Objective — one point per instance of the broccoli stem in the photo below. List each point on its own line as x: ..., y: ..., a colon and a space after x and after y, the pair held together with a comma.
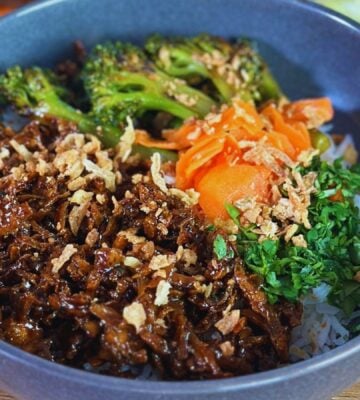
x: 226, y: 91
x: 148, y: 101
x: 235, y: 70
x: 269, y: 88
x: 35, y: 92
x: 193, y: 99
x: 153, y: 93
x: 52, y: 106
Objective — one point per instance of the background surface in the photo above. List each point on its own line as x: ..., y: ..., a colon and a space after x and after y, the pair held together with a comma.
x: 351, y: 8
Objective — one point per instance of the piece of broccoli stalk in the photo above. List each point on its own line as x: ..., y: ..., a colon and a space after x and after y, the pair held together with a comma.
x: 36, y: 92
x: 235, y: 70
x: 120, y: 81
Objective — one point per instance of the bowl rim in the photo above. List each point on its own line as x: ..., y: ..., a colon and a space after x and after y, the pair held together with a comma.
x: 245, y: 382
x: 267, y: 378
x: 310, y: 5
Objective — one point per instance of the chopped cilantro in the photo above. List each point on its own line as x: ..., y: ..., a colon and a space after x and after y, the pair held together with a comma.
x: 210, y: 228
x: 220, y: 247
x: 233, y: 212
x: 332, y: 255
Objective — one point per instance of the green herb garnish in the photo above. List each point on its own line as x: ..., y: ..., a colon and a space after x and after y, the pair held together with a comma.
x: 332, y: 255
x: 220, y: 247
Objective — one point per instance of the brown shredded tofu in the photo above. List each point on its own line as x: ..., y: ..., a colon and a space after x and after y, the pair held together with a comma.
x: 133, y: 277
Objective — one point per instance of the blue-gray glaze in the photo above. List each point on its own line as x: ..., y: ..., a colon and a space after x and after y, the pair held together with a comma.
x: 312, y: 52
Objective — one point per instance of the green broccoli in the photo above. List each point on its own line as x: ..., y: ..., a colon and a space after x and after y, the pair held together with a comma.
x: 36, y: 92
x: 120, y: 81
x: 235, y: 70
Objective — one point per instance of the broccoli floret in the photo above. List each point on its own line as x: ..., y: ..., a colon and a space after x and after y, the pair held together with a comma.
x: 235, y: 70
x: 36, y: 92
x: 120, y: 81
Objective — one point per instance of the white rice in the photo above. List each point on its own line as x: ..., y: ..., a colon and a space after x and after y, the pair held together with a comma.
x: 322, y: 327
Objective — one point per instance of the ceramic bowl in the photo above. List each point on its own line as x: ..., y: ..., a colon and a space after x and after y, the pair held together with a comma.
x: 312, y: 52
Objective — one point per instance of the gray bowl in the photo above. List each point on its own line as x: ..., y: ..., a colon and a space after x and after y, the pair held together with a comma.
x: 312, y: 52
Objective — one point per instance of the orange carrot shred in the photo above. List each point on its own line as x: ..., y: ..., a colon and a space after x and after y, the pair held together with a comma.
x: 144, y: 139
x: 312, y: 112
x: 224, y: 184
x: 211, y: 158
x: 298, y: 137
